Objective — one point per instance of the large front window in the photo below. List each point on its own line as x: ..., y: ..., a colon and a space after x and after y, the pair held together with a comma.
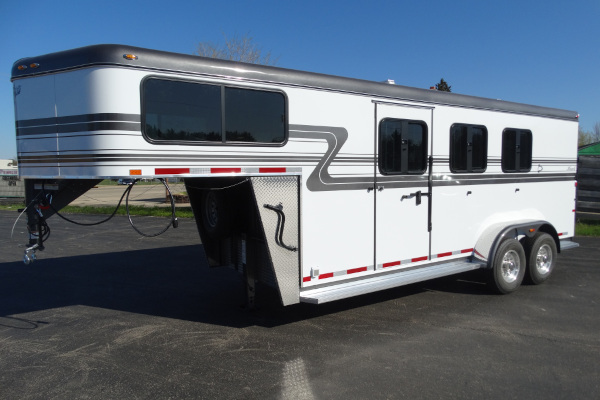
x: 181, y: 111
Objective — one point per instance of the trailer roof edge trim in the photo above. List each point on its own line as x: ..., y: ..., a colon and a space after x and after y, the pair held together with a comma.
x: 115, y: 55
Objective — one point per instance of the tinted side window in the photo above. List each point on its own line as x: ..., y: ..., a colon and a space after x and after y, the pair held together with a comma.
x: 468, y: 148
x: 254, y: 116
x: 402, y: 146
x: 517, y: 147
x: 193, y: 112
x: 182, y: 111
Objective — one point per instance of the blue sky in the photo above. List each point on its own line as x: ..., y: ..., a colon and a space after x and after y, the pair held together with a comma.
x: 537, y: 52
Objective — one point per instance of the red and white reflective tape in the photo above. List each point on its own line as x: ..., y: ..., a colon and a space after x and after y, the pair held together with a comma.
x: 224, y: 170
x: 385, y: 265
x: 424, y: 258
x: 338, y: 273
x: 401, y: 262
x: 452, y: 253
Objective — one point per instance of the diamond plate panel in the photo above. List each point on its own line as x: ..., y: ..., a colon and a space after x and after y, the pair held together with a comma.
x: 281, y: 192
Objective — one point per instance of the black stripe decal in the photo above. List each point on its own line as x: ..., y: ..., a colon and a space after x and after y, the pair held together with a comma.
x: 508, y: 178
x: 81, y: 127
x: 79, y: 123
x: 91, y: 158
x: 71, y: 119
x: 319, y: 180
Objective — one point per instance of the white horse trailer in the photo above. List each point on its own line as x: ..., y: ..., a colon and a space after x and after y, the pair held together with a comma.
x: 321, y: 186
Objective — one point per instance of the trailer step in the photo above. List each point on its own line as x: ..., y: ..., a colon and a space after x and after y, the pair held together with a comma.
x: 567, y: 244
x: 387, y: 281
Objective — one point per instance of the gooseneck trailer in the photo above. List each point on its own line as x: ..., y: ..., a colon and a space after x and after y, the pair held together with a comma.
x: 321, y: 186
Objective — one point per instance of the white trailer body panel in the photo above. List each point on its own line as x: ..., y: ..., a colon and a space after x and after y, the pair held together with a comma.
x: 359, y: 209
x: 402, y: 233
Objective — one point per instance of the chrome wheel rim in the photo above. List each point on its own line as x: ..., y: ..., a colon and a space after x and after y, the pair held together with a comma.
x: 543, y: 259
x: 511, y: 264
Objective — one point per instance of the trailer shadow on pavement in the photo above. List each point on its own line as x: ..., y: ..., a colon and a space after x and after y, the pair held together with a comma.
x: 171, y: 282
x: 165, y: 282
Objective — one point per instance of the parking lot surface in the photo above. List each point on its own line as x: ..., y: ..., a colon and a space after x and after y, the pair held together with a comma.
x: 107, y: 314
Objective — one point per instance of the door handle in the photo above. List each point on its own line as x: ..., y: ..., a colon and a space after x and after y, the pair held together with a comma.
x: 417, y: 195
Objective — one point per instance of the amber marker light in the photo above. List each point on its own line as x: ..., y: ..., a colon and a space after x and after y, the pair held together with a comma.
x: 22, y: 67
x: 134, y: 172
x: 34, y: 65
x: 130, y: 56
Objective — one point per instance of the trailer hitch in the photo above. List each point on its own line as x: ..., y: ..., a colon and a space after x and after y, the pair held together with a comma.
x: 29, y: 256
x: 36, y: 238
x: 280, y: 226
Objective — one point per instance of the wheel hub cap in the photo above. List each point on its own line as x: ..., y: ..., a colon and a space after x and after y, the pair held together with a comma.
x: 543, y: 260
x: 510, y: 266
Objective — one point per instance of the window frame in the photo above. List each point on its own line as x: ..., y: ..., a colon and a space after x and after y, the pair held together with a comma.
x: 516, y: 152
x: 469, y: 155
x: 223, y: 141
x: 425, y: 147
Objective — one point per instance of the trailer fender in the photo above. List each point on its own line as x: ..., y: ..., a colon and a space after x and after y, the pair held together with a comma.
x: 494, y: 235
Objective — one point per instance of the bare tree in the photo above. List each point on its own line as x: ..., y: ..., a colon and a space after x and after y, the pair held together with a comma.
x: 596, y: 132
x: 586, y: 137
x: 237, y: 48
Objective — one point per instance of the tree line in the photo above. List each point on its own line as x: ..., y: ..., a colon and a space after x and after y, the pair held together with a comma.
x: 589, y: 137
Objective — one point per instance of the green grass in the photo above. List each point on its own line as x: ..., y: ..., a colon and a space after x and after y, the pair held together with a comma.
x: 180, y: 212
x: 113, y: 182
x: 587, y: 228
x: 11, y: 206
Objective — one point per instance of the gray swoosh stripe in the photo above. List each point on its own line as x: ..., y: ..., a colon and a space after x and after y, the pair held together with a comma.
x: 320, y: 179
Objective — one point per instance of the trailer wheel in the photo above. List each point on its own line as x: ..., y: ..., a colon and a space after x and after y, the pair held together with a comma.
x: 215, y: 218
x: 508, y: 269
x: 541, y: 258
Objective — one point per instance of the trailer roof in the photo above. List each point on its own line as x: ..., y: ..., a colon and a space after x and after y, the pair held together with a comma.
x: 113, y: 55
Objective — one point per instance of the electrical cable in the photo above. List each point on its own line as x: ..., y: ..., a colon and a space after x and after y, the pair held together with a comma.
x: 23, y: 212
x: 126, y: 192
x: 45, y: 233
x: 173, y: 221
x: 125, y: 195
x: 219, y: 188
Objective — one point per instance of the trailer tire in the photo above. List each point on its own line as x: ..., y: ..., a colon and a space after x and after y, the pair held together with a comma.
x: 215, y: 217
x: 541, y: 258
x: 508, y: 268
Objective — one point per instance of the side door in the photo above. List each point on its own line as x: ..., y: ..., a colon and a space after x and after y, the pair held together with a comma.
x: 402, y: 183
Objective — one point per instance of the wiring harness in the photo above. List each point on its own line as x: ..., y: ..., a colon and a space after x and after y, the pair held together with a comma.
x: 43, y: 201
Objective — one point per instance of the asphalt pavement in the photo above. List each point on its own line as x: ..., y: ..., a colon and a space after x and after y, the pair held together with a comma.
x: 107, y: 314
